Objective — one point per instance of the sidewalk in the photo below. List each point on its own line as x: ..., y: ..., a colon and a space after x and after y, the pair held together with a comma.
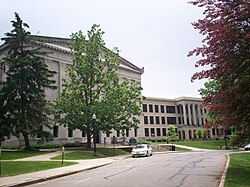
x: 31, y: 178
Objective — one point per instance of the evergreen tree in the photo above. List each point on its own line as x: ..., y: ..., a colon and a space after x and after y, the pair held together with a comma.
x: 22, y: 97
x: 93, y: 88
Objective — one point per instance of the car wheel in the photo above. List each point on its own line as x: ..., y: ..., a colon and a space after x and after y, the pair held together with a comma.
x: 133, y: 156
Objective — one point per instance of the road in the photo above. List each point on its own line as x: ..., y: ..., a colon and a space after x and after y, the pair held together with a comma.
x: 190, y: 169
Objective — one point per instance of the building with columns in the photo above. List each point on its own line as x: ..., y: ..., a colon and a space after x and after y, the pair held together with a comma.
x: 157, y: 114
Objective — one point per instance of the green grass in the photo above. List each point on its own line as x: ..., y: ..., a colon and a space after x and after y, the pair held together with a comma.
x: 20, y: 167
x: 239, y: 170
x: 179, y: 149
x: 12, y: 155
x: 211, y: 144
x: 101, y: 153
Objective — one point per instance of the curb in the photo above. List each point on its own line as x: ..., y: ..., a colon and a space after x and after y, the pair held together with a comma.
x: 223, y: 177
x: 58, y: 176
x: 54, y: 177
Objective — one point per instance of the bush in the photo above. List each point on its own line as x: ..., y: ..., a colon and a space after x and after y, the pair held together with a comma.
x: 45, y: 146
x: 76, y: 144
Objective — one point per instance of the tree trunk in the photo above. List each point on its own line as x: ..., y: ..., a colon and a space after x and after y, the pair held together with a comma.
x: 26, y: 140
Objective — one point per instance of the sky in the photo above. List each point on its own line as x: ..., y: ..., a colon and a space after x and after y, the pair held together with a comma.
x: 154, y: 34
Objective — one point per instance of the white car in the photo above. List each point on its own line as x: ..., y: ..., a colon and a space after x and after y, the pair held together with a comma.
x: 142, y: 150
x: 247, y: 147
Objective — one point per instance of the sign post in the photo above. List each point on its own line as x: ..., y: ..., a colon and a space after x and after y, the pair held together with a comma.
x: 62, y: 154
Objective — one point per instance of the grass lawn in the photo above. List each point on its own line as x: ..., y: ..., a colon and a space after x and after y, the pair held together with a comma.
x: 239, y: 170
x: 210, y: 144
x: 181, y: 149
x: 20, y: 167
x: 12, y: 155
x: 101, y: 153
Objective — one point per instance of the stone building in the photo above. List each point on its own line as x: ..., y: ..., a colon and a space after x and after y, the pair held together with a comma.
x: 185, y: 113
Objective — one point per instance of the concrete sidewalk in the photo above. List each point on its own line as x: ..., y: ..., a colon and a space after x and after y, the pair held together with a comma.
x: 31, y: 178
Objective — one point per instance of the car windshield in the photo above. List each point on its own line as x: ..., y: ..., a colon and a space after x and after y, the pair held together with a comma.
x: 139, y: 146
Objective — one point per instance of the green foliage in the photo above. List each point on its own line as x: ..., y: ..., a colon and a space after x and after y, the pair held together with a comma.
x: 211, y: 144
x: 45, y: 146
x: 172, y: 134
x: 22, y: 97
x: 93, y: 87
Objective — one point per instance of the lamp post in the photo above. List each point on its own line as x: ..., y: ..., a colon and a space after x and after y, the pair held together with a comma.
x: 94, y: 133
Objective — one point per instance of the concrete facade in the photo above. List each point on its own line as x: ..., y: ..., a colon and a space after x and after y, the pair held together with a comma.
x: 188, y: 115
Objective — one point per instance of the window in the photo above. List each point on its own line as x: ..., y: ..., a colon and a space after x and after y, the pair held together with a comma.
x: 156, y: 108
x: 170, y: 109
x: 118, y: 133
x: 83, y: 133
x: 152, y: 132
x: 146, y: 132
x: 150, y: 108
x: 163, y: 120
x: 108, y: 134
x: 164, y: 132
x: 127, y: 132
x: 179, y: 120
x: 158, y: 132
x: 144, y: 108
x: 38, y: 135
x: 162, y: 109
x: 157, y: 120
x: 55, y: 131
x: 136, y: 132
x: 70, y: 133
x: 145, y: 119
x: 151, y: 119
x: 171, y: 120
x: 178, y: 109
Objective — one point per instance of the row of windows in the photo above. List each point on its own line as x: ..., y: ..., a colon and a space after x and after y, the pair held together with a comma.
x: 156, y: 120
x: 70, y: 133
x: 168, y: 109
x: 158, y: 132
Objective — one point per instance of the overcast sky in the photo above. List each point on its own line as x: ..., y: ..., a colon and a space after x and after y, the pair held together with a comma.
x: 154, y: 34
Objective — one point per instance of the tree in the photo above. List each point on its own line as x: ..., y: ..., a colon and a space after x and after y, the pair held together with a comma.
x: 93, y: 87
x: 22, y: 97
x: 172, y: 135
x: 226, y: 52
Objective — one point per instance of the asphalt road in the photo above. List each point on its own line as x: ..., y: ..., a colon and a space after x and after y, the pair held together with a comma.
x: 191, y: 169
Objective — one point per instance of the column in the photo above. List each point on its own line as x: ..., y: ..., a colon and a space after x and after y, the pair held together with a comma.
x: 199, y: 115
x: 194, y: 115
x: 203, y: 115
x: 189, y: 115
x: 184, y: 114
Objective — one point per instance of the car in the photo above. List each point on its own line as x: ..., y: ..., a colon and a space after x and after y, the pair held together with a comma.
x: 142, y: 150
x: 247, y: 147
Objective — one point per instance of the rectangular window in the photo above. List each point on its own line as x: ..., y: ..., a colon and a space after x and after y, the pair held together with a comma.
x: 83, y: 133
x: 108, y: 134
x: 178, y: 109
x: 127, y: 132
x: 136, y: 132
x: 118, y: 133
x: 151, y: 119
x: 152, y: 131
x: 157, y: 120
x: 163, y: 120
x: 164, y: 132
x: 70, y: 133
x: 170, y: 109
x: 145, y: 119
x: 150, y: 108
x: 146, y: 132
x: 156, y: 109
x: 55, y: 131
x: 144, y: 108
x: 179, y: 120
x: 158, y: 131
x: 171, y: 120
x: 162, y: 109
